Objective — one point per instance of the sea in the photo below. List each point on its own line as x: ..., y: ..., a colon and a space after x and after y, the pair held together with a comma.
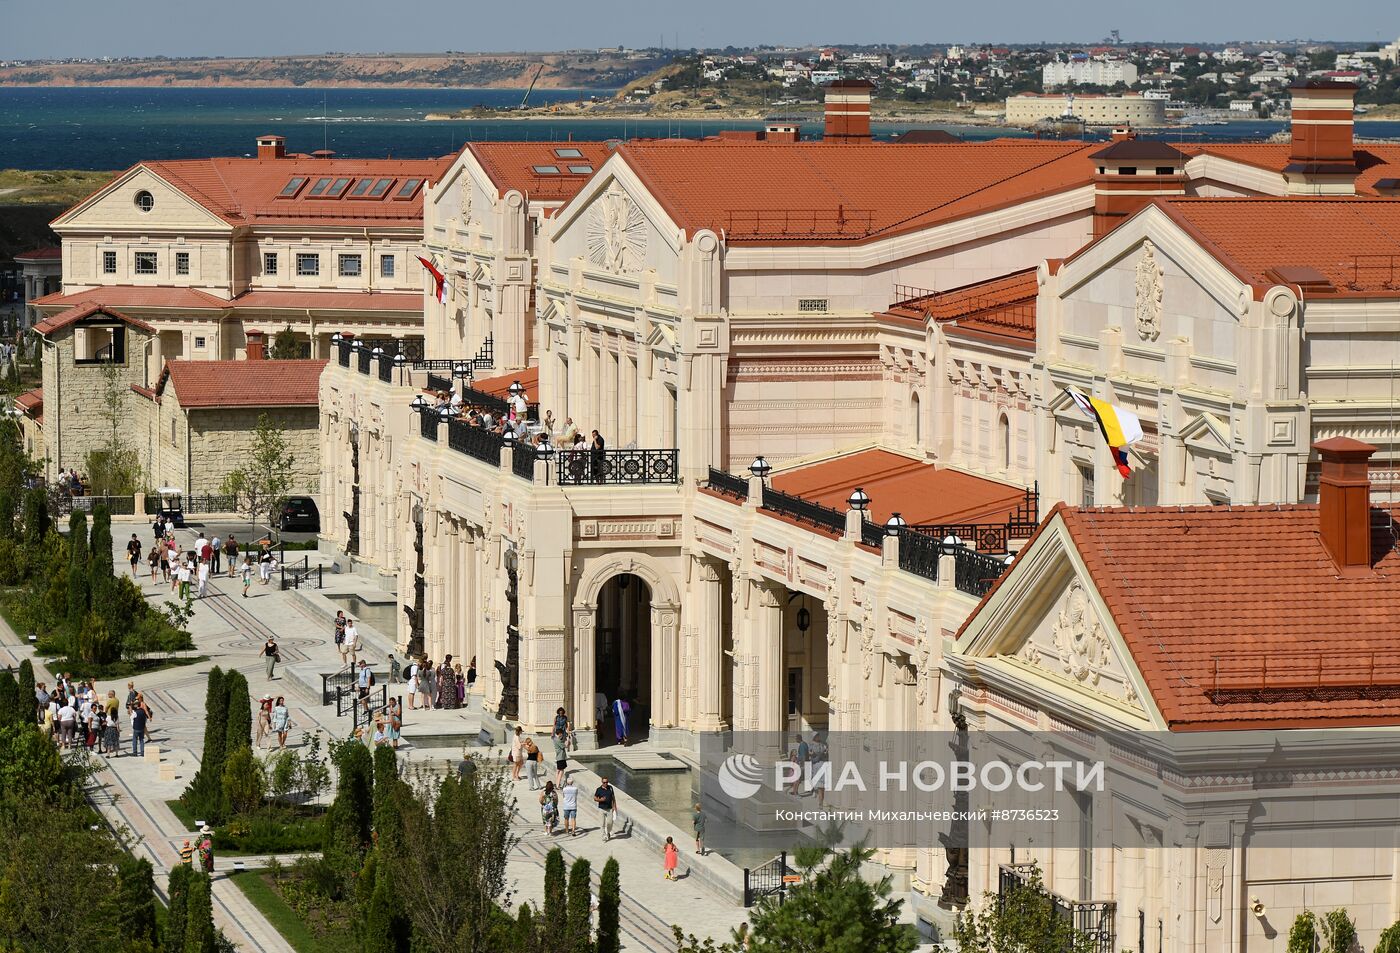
x: 113, y: 127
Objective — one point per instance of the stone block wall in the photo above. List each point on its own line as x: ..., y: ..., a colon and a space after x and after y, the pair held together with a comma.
x: 75, y: 423
x: 221, y: 440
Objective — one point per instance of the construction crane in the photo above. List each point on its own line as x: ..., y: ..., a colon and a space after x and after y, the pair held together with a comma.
x: 536, y: 79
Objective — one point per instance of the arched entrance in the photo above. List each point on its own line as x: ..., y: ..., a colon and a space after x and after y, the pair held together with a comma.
x: 622, y: 663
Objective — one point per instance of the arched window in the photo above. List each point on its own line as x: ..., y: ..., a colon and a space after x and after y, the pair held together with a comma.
x: 1004, y: 438
x: 916, y: 420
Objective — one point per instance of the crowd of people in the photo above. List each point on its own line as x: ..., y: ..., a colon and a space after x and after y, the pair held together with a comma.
x: 443, y: 686
x: 73, y: 483
x: 187, y: 572
x: 544, y: 434
x: 76, y: 716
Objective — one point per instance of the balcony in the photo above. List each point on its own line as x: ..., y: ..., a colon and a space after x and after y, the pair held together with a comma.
x: 616, y: 467
x: 480, y: 444
x: 1093, y: 918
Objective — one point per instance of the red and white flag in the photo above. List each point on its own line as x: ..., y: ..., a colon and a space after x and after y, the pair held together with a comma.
x: 439, y: 280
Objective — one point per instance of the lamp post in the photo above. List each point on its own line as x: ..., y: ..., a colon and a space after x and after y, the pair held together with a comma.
x: 859, y: 501
x: 951, y: 542
x: 419, y: 404
x: 461, y: 370
x: 336, y: 338
x: 760, y: 468
x: 516, y: 389
x: 895, y: 525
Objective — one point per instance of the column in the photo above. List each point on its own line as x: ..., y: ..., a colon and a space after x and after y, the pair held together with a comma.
x: 627, y: 413
x: 607, y: 419
x: 470, y: 602
x: 157, y: 360
x: 772, y: 666
x: 708, y: 642
x: 452, y: 591
x: 433, y: 632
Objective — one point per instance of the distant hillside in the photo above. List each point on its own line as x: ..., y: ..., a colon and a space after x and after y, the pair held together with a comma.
x: 584, y: 70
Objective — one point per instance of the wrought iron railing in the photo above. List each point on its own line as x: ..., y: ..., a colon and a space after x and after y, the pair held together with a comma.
x: 386, y: 367
x: 766, y: 880
x: 366, y: 355
x: 475, y: 442
x: 479, y: 398
x: 523, y: 457
x: 1092, y: 918
x: 581, y: 467
x: 728, y: 484
x: 485, y: 356
x: 343, y: 352
x: 210, y: 503
x: 919, y: 554
x: 804, y: 511
x: 436, y: 382
x: 974, y: 573
x: 990, y: 537
x: 872, y: 534
x: 116, y: 505
x: 428, y: 421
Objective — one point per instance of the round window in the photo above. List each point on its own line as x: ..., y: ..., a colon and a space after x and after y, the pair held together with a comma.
x: 145, y: 201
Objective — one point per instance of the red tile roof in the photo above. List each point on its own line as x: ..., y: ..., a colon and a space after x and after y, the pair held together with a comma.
x: 1254, y: 588
x: 510, y: 165
x: 131, y: 296
x: 825, y: 193
x: 330, y: 300
x: 269, y: 383
x: 1353, y: 242
x: 1003, y: 306
x: 1375, y: 160
x: 82, y: 312
x: 31, y: 404
x: 918, y: 491
x: 245, y: 191
x: 499, y: 386
x: 41, y: 254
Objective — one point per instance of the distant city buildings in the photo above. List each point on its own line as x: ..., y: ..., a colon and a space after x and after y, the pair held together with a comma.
x: 1083, y: 71
x: 1129, y: 109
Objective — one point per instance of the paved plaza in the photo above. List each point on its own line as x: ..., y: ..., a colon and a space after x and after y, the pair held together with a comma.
x: 231, y: 631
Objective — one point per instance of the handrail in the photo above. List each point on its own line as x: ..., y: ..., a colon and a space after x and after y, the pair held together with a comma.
x: 584, y: 467
x: 728, y: 484
x: 804, y: 511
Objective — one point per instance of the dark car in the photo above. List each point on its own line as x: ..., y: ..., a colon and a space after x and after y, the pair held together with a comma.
x: 299, y: 515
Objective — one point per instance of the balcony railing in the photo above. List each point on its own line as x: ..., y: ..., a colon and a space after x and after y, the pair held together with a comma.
x: 386, y: 367
x: 474, y: 442
x: 428, y: 421
x: 872, y: 534
x: 583, y: 467
x: 804, y: 511
x: 990, y: 537
x: 975, y: 573
x: 343, y: 352
x: 522, y: 461
x: 1092, y: 918
x: 479, y: 398
x: 919, y: 554
x: 439, y: 383
x: 366, y: 355
x: 728, y: 484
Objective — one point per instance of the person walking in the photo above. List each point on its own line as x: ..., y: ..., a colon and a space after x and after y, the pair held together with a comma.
x: 271, y: 656
x: 206, y: 849
x: 410, y: 675
x: 549, y: 808
x: 231, y: 554
x: 247, y: 575
x: 265, y: 558
x: 112, y: 733
x: 561, y: 754
x: 395, y: 723
x: 352, y: 642
x: 264, y: 721
x: 164, y: 551
x: 186, y: 575
x: 532, y: 762
x: 568, y: 804
x: 606, y: 799
x: 281, y: 721
x: 621, y: 711
x: 216, y: 554
x: 394, y: 671
x: 154, y: 560
x: 187, y: 852
x: 698, y: 821
x: 158, y: 527
x: 364, y: 681
x: 339, y: 624
x: 203, y: 573
x: 669, y: 856
x: 133, y: 553
x: 139, y: 718
x: 517, y: 753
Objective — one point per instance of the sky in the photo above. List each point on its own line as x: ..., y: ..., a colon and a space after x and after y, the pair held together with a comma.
x: 63, y: 28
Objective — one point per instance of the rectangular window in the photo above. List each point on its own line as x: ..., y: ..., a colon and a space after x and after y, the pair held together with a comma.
x: 581, y: 169
x: 145, y: 263
x: 182, y: 263
x: 269, y: 263
x: 361, y: 187
x: 308, y: 265
x: 386, y: 266
x: 1086, y: 485
x: 172, y: 429
x: 1127, y: 170
x: 337, y: 188
x: 381, y: 187
x: 320, y: 187
x: 199, y: 343
x: 409, y: 187
x: 811, y: 305
x: 568, y: 153
x: 349, y: 266
x: 545, y: 169
x: 292, y: 187
x: 109, y: 263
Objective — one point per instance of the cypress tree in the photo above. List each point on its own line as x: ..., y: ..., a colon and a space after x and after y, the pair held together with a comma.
x: 382, y: 934
x: 9, y: 700
x: 238, y: 713
x: 388, y: 825
x: 556, y: 913
x: 136, y: 902
x: 36, y: 516
x: 77, y: 569
x: 174, y: 938
x: 28, y: 703
x: 205, y: 791
x: 199, y: 916
x: 525, y: 929
x: 8, y: 512
x: 609, y: 900
x: 580, y: 931
x: 348, y: 821
x: 100, y: 569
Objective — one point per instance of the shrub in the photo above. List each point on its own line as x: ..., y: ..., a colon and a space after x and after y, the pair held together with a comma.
x: 1338, y: 931
x: 29, y: 764
x: 283, y: 770
x: 238, y: 711
x: 77, y: 607
x: 1302, y: 937
x: 1389, y: 941
x: 243, y: 781
x: 261, y: 834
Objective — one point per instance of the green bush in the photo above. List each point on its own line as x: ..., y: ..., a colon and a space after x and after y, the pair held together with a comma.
x: 1338, y: 931
x: 11, y: 562
x: 1389, y: 941
x: 244, y: 783
x: 1302, y: 937
x: 265, y: 834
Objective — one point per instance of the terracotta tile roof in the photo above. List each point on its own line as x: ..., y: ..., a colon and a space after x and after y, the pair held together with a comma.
x: 131, y: 296
x: 1254, y: 587
x: 499, y: 386
x: 41, y: 254
x: 511, y: 165
x: 918, y: 491
x: 1376, y: 161
x: 243, y: 383
x: 1002, y: 306
x: 1353, y: 242
x: 330, y: 300
x: 824, y: 193
x: 245, y: 191
x: 81, y: 312
x: 1129, y: 149
x: 31, y: 404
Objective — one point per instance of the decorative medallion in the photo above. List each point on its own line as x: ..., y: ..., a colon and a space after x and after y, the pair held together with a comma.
x: 466, y: 200
x: 1149, y: 294
x: 617, y: 232
x: 1079, y: 637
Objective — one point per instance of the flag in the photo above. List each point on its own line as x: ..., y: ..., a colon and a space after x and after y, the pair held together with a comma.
x: 439, y: 280
x: 1120, y: 427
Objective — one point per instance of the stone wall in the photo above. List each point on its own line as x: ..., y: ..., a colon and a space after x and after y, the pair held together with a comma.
x: 210, y: 443
x: 73, y: 413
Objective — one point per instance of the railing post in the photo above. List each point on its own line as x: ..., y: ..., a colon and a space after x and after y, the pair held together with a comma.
x: 889, y: 553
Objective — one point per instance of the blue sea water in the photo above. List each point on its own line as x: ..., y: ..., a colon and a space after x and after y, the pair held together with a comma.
x: 114, y: 127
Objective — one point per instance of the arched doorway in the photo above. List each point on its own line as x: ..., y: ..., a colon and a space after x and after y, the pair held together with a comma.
x: 622, y: 662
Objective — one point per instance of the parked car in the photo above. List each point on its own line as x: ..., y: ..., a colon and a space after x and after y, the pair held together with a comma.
x: 299, y: 515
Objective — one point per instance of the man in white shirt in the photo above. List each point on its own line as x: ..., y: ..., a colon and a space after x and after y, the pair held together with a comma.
x: 351, y: 645
x: 568, y: 805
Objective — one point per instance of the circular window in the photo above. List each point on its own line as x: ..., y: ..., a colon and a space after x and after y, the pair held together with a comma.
x: 145, y: 201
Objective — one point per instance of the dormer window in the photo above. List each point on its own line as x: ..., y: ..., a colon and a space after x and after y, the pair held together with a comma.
x: 407, y: 190
x: 292, y: 187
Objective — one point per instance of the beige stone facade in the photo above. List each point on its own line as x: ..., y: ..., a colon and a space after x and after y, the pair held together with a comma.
x: 1127, y: 110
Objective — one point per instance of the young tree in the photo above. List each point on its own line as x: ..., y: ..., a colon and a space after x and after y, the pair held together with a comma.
x: 1021, y: 919
x: 388, y: 828
x: 9, y: 701
x: 77, y: 569
x: 580, y: 929
x: 199, y: 916
x: 347, y: 833
x: 285, y: 346
x: 205, y: 791
x: 259, y: 486
x: 114, y: 468
x: 609, y: 903
x: 26, y: 688
x: 243, y: 782
x: 179, y: 892
x: 36, y: 516
x: 100, y: 565
x: 556, y: 912
x: 238, y: 712
x: 136, y: 900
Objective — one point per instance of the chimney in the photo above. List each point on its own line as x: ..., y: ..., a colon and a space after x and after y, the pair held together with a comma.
x: 256, y: 350
x: 848, y: 110
x: 1131, y: 173
x: 1344, y: 503
x: 272, y: 147
x: 781, y: 130
x: 1322, y: 160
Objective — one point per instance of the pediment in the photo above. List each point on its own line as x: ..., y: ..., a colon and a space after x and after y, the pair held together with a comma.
x: 114, y: 207
x: 1047, y: 630
x: 1208, y: 433
x: 662, y: 338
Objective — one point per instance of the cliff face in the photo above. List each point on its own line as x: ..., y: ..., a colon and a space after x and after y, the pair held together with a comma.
x: 557, y: 70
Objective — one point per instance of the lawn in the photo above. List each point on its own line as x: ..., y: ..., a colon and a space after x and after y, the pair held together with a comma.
x: 257, y: 887
x: 287, y: 833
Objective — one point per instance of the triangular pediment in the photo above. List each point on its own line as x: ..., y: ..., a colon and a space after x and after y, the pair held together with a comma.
x: 1207, y: 432
x: 662, y: 339
x: 1047, y: 636
x: 114, y: 207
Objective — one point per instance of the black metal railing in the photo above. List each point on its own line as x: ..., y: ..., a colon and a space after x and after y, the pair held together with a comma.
x: 990, y: 537
x: 1092, y: 918
x: 872, y: 534
x: 116, y: 505
x: 728, y: 484
x: 366, y: 355
x: 919, y: 554
x: 438, y: 383
x: 581, y: 467
x: 804, y: 511
x: 428, y: 421
x: 386, y: 367
x: 522, y: 461
x: 343, y: 352
x: 333, y: 683
x: 472, y: 397
x: 486, y: 356
x: 475, y: 442
x: 292, y: 577
x: 347, y: 699
x: 974, y: 573
x: 211, y: 503
x: 771, y: 878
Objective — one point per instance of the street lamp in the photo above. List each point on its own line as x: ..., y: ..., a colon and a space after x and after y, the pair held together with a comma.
x: 760, y: 468
x: 859, y: 500
x: 377, y: 353
x: 951, y: 542
x: 400, y: 360
x: 509, y: 437
x: 445, y: 412
x: 460, y: 369
x: 419, y: 404
x: 516, y: 389
x: 357, y: 346
x: 336, y: 339
x: 895, y: 524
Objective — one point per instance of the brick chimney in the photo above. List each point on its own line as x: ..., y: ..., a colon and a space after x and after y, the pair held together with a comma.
x: 1129, y: 174
x: 1322, y: 160
x: 1344, y: 498
x: 272, y: 147
x: 848, y: 110
x: 257, y: 351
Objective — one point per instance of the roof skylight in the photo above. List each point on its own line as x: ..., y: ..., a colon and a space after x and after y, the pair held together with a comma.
x: 581, y: 169
x: 546, y: 169
x: 292, y: 187
x: 568, y: 153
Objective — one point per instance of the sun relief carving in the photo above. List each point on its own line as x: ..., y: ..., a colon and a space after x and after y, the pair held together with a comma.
x: 1149, y: 294
x: 1079, y: 637
x: 617, y: 232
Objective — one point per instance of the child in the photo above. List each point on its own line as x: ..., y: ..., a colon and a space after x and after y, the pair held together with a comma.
x: 671, y: 855
x: 247, y: 574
